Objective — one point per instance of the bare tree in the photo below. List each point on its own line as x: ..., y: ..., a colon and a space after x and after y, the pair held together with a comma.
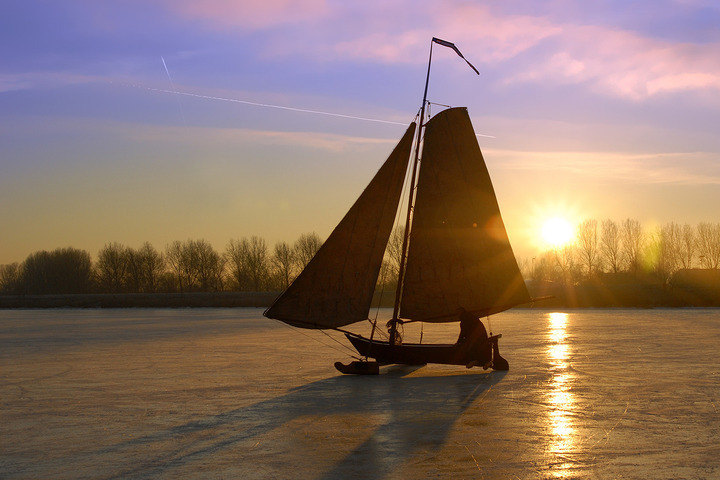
x: 566, y: 265
x: 393, y: 252
x: 708, y: 244
x: 167, y: 282
x: 547, y: 267
x: 587, y: 241
x: 190, y: 260
x: 145, y: 266
x: 112, y: 267
x: 174, y: 258
x: 687, y: 246
x: 209, y: 265
x: 633, y: 240
x: 10, y: 278
x: 385, y: 276
x: 234, y: 255
x: 305, y: 248
x: 64, y: 270
x: 672, y: 241
x: 283, y: 261
x: 248, y: 263
x: 152, y: 267
x: 134, y: 271
x: 610, y: 244
x: 196, y: 265
x: 664, y: 250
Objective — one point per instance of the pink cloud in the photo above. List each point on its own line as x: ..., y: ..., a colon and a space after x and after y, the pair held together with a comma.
x: 626, y: 64
x: 493, y: 37
x: 405, y: 47
x: 474, y: 28
x: 611, y: 61
x: 252, y: 15
x: 615, y: 62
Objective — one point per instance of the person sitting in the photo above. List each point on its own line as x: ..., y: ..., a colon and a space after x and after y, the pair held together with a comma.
x: 471, y: 328
x: 474, y: 337
x: 393, y: 332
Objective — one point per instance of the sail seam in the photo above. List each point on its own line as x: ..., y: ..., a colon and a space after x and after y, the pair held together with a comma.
x: 461, y: 167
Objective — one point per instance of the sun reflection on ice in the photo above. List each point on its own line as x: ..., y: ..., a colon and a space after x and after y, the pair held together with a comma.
x: 560, y: 398
x: 557, y: 323
x: 558, y: 354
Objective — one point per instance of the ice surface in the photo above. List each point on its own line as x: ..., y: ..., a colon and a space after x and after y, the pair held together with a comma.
x: 224, y: 393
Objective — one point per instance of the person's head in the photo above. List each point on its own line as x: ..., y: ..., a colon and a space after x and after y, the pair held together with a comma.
x: 459, y: 311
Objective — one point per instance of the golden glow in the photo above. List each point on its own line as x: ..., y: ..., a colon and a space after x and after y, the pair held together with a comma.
x: 558, y: 353
x: 558, y: 321
x: 560, y: 398
x: 552, y: 224
x: 557, y: 328
x: 557, y: 232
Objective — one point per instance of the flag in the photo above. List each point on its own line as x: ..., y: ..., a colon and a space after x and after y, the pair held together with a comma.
x: 445, y: 43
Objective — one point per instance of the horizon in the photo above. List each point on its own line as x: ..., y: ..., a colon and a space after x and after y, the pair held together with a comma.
x: 599, y: 111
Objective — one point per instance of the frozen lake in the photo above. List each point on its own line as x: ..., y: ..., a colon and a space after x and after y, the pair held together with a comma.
x: 224, y: 393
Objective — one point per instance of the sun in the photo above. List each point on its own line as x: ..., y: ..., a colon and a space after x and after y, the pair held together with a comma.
x: 552, y: 223
x: 557, y: 232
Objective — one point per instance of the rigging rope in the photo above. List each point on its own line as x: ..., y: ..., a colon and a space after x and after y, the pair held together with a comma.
x: 410, y: 211
x: 299, y: 330
x: 352, y: 352
x: 395, y: 225
x: 439, y: 104
x: 378, y: 330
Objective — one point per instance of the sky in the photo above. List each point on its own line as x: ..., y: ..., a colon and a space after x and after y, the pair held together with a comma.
x: 604, y: 109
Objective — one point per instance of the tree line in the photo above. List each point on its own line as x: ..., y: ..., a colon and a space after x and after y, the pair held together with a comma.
x: 249, y: 264
x: 608, y: 246
x: 246, y: 264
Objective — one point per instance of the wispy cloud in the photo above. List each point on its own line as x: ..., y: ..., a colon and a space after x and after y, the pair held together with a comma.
x: 402, y: 38
x: 609, y: 60
x: 624, y: 63
x: 683, y: 168
x: 242, y: 137
x: 23, y: 81
x: 251, y: 15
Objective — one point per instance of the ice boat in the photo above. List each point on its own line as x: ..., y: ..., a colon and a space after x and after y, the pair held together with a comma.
x: 455, y: 252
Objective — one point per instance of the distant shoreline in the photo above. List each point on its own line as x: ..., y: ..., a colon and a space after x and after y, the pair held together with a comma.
x: 577, y: 297
x: 140, y: 300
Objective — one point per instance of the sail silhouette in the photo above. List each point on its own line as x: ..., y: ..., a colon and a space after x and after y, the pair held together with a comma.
x: 459, y: 254
x: 336, y: 287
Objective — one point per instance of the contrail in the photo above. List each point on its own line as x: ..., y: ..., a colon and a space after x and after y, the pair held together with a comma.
x: 174, y: 90
x: 281, y: 107
x: 167, y: 71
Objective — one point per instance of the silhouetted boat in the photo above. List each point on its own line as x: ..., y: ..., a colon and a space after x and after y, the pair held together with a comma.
x: 455, y: 253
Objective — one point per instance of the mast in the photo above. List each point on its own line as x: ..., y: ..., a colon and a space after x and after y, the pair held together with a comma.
x: 406, y: 235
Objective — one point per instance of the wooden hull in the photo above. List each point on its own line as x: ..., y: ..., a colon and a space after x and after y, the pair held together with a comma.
x: 420, y: 354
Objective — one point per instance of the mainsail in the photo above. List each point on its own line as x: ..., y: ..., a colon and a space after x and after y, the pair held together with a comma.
x: 459, y: 254
x: 337, y: 286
